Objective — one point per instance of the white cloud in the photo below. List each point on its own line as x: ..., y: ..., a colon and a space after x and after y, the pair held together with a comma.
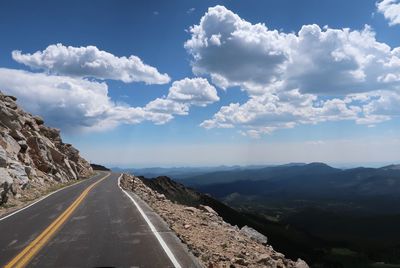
x: 224, y: 45
x: 75, y: 104
x: 184, y: 93
x: 167, y: 106
x: 91, y: 62
x: 267, y: 113
x: 195, y: 91
x: 304, y: 78
x: 390, y: 10
x: 325, y: 61
x: 191, y: 10
x: 69, y: 103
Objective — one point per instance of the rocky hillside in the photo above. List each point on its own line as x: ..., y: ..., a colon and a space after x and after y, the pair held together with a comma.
x: 212, y: 240
x: 33, y: 157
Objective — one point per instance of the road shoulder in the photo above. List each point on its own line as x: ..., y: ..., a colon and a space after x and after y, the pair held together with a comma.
x: 180, y: 250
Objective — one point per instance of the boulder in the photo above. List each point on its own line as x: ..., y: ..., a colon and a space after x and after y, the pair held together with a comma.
x: 254, y: 234
x: 51, y: 133
x: 9, y: 118
x: 5, y: 185
x: 190, y: 209
x: 39, y: 120
x: 57, y: 156
x: 69, y: 168
x: 13, y: 98
x: 12, y: 105
x: 208, y: 209
x: 17, y: 135
x: 23, y: 145
x: 5, y: 177
x: 12, y: 145
x: 301, y: 264
x: 31, y: 172
x: 17, y: 170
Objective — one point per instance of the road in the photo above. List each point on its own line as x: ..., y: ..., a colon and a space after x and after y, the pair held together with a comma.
x: 90, y: 224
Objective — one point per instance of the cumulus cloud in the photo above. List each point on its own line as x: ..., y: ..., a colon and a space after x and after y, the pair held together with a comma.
x: 91, y: 62
x: 195, y: 91
x: 269, y: 112
x: 67, y: 99
x: 390, y: 10
x: 183, y: 94
x: 69, y: 103
x: 75, y: 104
x: 167, y: 106
x: 312, y: 76
x: 228, y: 47
x: 325, y: 61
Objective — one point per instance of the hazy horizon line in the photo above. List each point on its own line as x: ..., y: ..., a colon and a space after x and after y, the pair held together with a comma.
x: 183, y: 165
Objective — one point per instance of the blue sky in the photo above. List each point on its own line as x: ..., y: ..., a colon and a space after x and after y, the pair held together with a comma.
x: 231, y: 92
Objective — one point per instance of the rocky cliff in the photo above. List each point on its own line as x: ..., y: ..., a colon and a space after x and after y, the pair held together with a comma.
x: 33, y: 157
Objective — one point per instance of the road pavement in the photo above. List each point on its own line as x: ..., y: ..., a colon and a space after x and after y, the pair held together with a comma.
x: 88, y: 225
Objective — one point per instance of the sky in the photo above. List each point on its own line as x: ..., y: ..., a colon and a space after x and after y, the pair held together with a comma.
x: 207, y: 83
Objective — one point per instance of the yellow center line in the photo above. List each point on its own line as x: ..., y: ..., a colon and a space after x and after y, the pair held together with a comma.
x: 26, y: 255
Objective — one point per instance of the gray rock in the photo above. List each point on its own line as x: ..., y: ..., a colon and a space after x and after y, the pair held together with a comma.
x: 264, y: 259
x: 5, y: 177
x: 253, y: 234
x: 3, y: 158
x: 38, y: 120
x: 301, y: 264
x: 69, y: 168
x: 160, y: 196
x: 17, y: 135
x: 208, y: 209
x: 30, y: 172
x: 12, y: 145
x: 23, y: 145
x: 191, y: 209
x: 13, y: 98
x: 11, y: 105
x: 17, y: 170
x: 5, y: 185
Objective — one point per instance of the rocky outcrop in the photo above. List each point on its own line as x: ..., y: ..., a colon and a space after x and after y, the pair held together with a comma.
x: 213, y: 241
x: 32, y: 155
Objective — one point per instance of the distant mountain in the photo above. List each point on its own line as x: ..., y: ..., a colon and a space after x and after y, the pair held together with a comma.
x: 315, y: 180
x: 99, y: 167
x: 265, y: 173
x: 180, y: 172
x: 391, y: 167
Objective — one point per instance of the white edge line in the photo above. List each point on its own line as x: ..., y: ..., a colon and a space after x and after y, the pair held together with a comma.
x: 152, y: 228
x: 42, y: 198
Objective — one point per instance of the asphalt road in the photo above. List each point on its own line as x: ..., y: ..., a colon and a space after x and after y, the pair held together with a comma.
x: 105, y: 230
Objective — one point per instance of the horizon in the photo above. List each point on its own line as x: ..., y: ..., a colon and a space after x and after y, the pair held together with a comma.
x: 334, y: 165
x: 210, y: 83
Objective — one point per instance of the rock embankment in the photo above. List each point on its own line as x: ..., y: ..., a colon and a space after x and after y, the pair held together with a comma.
x: 214, y: 242
x: 33, y: 157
